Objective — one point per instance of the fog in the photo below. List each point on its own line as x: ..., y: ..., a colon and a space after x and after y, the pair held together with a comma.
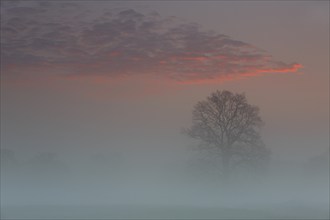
x: 103, y: 185
x: 97, y: 97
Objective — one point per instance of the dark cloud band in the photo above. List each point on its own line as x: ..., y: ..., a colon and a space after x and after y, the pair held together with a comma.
x: 71, y: 40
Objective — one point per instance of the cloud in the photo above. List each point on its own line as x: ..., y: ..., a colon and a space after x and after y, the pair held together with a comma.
x: 71, y: 40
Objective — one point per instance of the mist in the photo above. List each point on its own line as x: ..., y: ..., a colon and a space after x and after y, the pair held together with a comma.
x: 99, y: 116
x: 114, y: 184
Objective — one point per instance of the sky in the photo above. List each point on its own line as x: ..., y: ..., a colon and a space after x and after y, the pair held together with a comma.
x: 95, y: 96
x: 79, y: 77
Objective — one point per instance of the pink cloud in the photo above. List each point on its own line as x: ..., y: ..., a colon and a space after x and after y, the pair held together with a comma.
x: 126, y: 44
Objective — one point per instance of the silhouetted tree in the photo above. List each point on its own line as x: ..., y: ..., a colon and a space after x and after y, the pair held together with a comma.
x: 318, y: 166
x: 7, y: 157
x: 8, y: 161
x: 46, y: 166
x: 228, y: 126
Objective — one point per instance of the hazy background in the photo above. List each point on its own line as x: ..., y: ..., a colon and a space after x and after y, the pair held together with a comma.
x: 115, y: 138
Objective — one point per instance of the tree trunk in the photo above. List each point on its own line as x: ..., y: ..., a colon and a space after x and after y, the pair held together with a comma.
x: 225, y: 167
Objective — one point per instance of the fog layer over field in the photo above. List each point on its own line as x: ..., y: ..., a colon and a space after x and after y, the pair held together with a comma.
x: 99, y: 116
x: 114, y: 186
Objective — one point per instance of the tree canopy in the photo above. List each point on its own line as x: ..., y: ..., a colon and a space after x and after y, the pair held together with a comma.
x: 229, y: 126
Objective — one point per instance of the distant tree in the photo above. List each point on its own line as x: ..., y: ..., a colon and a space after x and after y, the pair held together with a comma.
x: 8, y: 161
x: 46, y: 165
x: 318, y: 166
x: 7, y: 157
x: 227, y: 126
x: 9, y: 166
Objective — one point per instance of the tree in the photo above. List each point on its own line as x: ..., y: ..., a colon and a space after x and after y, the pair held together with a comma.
x: 7, y: 157
x: 46, y: 166
x: 8, y: 162
x: 226, y: 125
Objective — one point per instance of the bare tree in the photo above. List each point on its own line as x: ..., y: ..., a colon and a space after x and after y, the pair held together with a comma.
x: 228, y: 126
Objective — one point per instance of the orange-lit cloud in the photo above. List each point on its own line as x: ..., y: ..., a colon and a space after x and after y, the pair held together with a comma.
x: 121, y: 45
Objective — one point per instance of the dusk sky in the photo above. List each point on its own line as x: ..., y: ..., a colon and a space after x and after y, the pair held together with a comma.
x: 124, y: 76
x: 97, y: 101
